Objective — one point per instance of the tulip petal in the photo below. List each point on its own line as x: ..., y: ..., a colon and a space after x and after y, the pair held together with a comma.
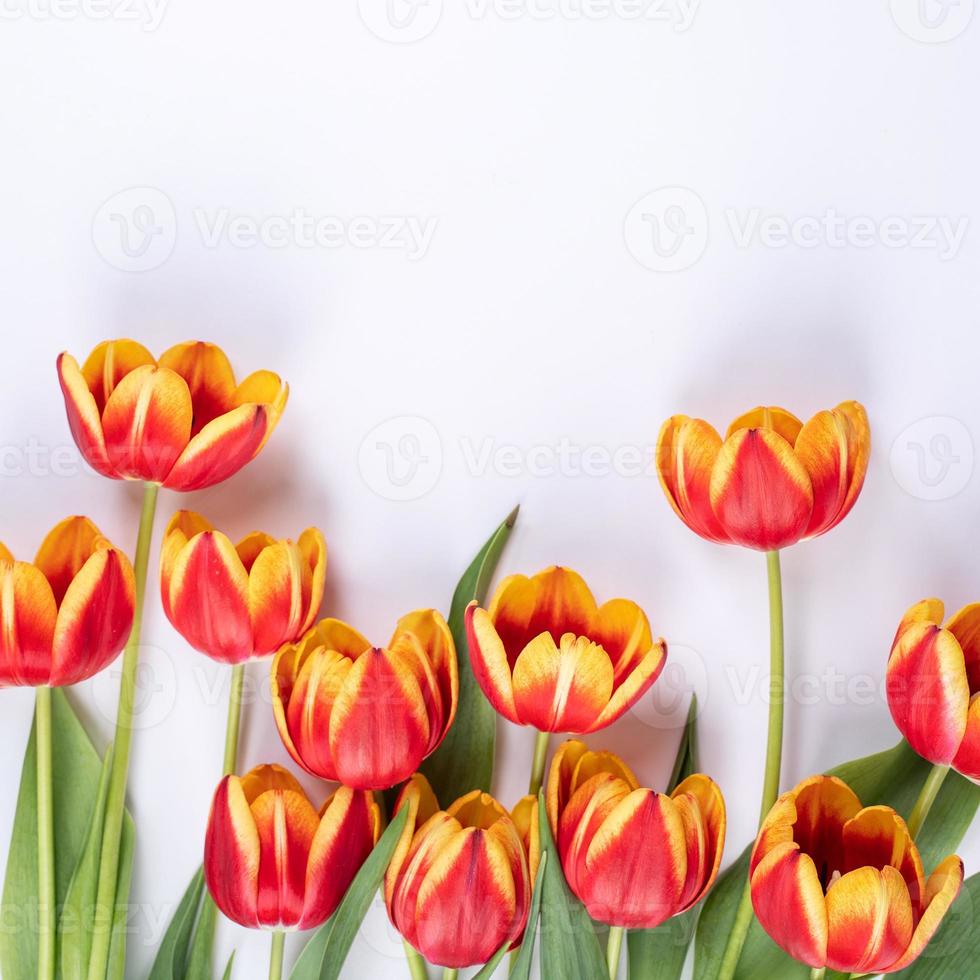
x: 280, y: 586
x: 967, y: 758
x: 622, y: 629
x: 68, y: 545
x: 220, y: 449
x: 941, y: 891
x: 407, y: 650
x: 379, y: 728
x: 525, y: 817
x: 209, y: 598
x: 209, y: 377
x: 824, y: 805
x: 878, y: 836
x: 263, y: 388
x: 928, y: 693
x: 636, y: 864
x: 231, y: 854
x: 562, y: 689
x: 348, y: 830
x: 84, y: 416
x: 823, y: 447
x: 790, y: 905
x: 439, y: 650
x: 965, y: 626
x: 183, y: 526
x: 109, y: 363
x: 634, y: 686
x: 313, y: 547
x: 418, y: 796
x: 488, y: 659
x: 27, y: 624
x: 760, y: 491
x: 147, y: 423
x: 467, y: 904
x: 94, y: 619
x: 686, y: 452
x: 702, y: 809
x: 924, y: 611
x: 5, y: 553
x: 771, y: 417
x: 869, y: 917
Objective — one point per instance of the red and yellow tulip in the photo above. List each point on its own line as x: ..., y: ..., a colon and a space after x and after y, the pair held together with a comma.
x: 366, y: 716
x: 67, y: 615
x: 933, y: 684
x: 272, y: 862
x: 235, y: 602
x: 181, y: 421
x: 634, y: 857
x: 459, y: 884
x: 841, y: 886
x: 545, y: 654
x: 772, y: 481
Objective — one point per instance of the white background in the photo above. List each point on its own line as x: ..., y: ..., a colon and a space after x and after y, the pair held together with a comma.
x: 540, y: 317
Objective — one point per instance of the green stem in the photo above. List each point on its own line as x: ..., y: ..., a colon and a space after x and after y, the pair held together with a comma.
x: 276, y: 956
x: 116, y: 798
x: 234, y: 719
x: 818, y: 973
x: 614, y: 946
x: 416, y: 965
x: 45, y: 838
x: 774, y: 754
x: 450, y: 973
x: 537, y: 765
x: 930, y: 790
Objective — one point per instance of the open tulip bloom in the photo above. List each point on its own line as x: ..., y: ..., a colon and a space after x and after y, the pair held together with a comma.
x: 364, y: 715
x: 841, y: 886
x: 547, y: 655
x: 459, y: 884
x: 63, y: 619
x: 634, y: 857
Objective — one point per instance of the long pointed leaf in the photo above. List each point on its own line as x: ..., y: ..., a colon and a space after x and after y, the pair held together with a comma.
x: 116, y: 967
x: 464, y: 761
x: 172, y: 956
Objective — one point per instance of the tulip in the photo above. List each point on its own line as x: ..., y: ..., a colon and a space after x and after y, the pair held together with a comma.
x: 633, y: 857
x: 180, y: 421
x: 839, y: 886
x: 933, y: 684
x: 272, y: 862
x: 65, y: 617
x: 545, y: 654
x: 236, y: 602
x: 366, y: 716
x: 459, y: 884
x: 773, y: 480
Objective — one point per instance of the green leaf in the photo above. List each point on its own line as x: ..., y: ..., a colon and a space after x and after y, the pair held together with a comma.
x: 324, y: 955
x: 171, y: 958
x: 893, y: 777
x: 76, y: 921
x: 231, y: 962
x: 116, y: 969
x: 521, y: 967
x: 464, y: 761
x: 955, y: 949
x: 659, y: 954
x: 202, y: 949
x: 569, y: 948
x: 77, y: 771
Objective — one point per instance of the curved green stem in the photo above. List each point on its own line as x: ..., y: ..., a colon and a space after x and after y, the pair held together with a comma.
x: 614, y: 946
x: 116, y: 798
x: 45, y: 838
x: 234, y: 719
x: 774, y: 754
x: 276, y: 956
x: 538, y: 763
x: 930, y: 790
x: 818, y: 973
x: 450, y: 973
x: 416, y: 965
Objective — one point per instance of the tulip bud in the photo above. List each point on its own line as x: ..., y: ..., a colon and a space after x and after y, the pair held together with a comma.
x: 545, y: 654
x: 458, y: 887
x: 238, y: 602
x: 181, y: 421
x: 634, y: 857
x: 772, y: 481
x: 68, y: 615
x: 272, y: 862
x: 366, y: 716
x: 841, y: 886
